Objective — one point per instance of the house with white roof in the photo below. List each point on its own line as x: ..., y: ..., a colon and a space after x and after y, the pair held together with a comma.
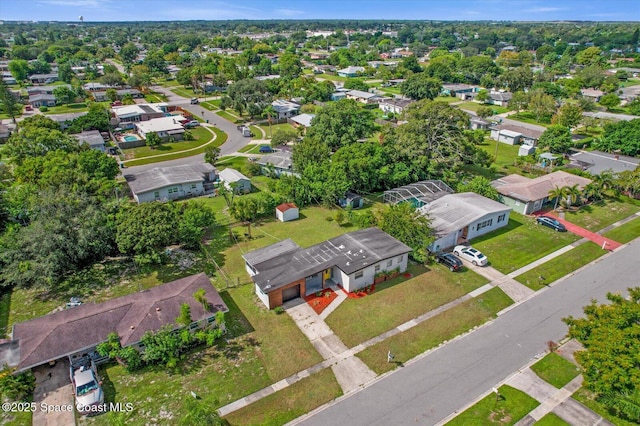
x: 303, y: 120
x: 234, y: 180
x: 139, y: 112
x: 363, y: 97
x: 165, y: 127
x: 285, y: 109
x: 457, y: 218
x: 351, y: 71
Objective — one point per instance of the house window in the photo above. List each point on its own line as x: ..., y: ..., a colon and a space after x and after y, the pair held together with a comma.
x: 172, y: 190
x: 193, y: 186
x: 377, y: 268
x: 501, y: 217
x: 156, y: 194
x: 484, y: 224
x: 358, y: 274
x: 389, y: 262
x: 400, y: 258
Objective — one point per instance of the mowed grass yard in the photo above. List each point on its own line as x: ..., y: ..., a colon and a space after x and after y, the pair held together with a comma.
x: 507, y: 409
x: 201, y: 134
x: 560, y: 266
x: 434, y: 331
x: 379, y: 311
x: 260, y: 348
x: 289, y: 403
x: 598, y: 216
x: 555, y: 370
x: 626, y: 232
x: 520, y: 243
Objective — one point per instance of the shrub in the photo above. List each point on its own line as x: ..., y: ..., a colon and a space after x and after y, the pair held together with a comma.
x: 18, y: 387
x: 279, y: 310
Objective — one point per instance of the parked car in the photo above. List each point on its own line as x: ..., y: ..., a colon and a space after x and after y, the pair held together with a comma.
x: 192, y: 123
x: 194, y: 101
x: 472, y: 255
x: 551, y: 223
x: 87, y: 388
x: 265, y: 149
x: 450, y: 261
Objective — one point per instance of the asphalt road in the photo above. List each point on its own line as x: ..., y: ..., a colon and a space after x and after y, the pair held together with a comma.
x: 234, y: 141
x: 428, y: 390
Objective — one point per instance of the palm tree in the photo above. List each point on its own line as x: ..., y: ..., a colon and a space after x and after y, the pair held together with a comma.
x: 556, y: 193
x: 269, y: 112
x: 572, y: 194
x: 604, y: 180
x: 626, y: 403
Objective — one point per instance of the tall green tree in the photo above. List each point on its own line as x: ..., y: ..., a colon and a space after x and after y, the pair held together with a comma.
x: 19, y: 69
x: 421, y: 86
x: 405, y: 223
x: 9, y: 105
x: 341, y: 123
x: 480, y: 185
x: 568, y: 115
x: 611, y: 359
x: 556, y: 139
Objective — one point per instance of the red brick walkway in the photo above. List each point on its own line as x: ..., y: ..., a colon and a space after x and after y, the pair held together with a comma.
x: 609, y: 244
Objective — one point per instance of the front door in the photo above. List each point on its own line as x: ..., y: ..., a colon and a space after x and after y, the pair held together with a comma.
x: 465, y: 232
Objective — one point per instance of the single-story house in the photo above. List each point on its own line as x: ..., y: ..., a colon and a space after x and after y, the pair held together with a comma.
x: 165, y: 127
x: 41, y: 100
x: 285, y: 271
x: 350, y: 71
x: 235, y: 180
x: 43, y: 78
x: 8, y: 79
x: 394, y: 106
x: 363, y: 97
x: 336, y: 96
x: 101, y: 96
x: 140, y: 112
x: 513, y: 135
x: 285, y: 109
x: 458, y: 89
x: 64, y: 120
x: 525, y: 195
x: 352, y: 200
x: 461, y: 217
x: 170, y: 183
x: 43, y: 90
x: 93, y: 138
x: 478, y: 123
x: 287, y: 211
x: 596, y: 162
x: 593, y: 94
x: 278, y: 163
x: 95, y: 87
x: 75, y: 332
x: 499, y: 98
x: 267, y: 77
x: 303, y: 120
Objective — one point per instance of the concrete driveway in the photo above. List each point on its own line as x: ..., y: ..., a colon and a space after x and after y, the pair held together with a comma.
x: 53, y: 389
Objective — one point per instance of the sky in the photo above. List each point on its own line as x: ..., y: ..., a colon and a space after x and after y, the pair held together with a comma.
x: 185, y: 10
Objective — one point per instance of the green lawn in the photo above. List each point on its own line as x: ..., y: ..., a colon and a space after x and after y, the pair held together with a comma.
x: 312, y: 228
x: 330, y: 77
x: 274, y: 127
x: 511, y: 406
x: 154, y: 97
x: 228, y: 116
x: 625, y: 233
x: 474, y: 106
x: 5, y: 308
x: 250, y: 149
x: 432, y: 332
x: 256, y: 352
x: 520, y: 243
x: 378, y: 312
x: 221, y: 137
x: 184, y: 92
x: 447, y: 99
x: 211, y: 105
x: 238, y: 163
x: 63, y: 109
x: 560, y: 266
x: 555, y: 370
x: 597, y: 216
x: 201, y: 134
x: 527, y: 117
x: 551, y: 419
x: 257, y: 132
x: 291, y: 402
x: 588, y: 398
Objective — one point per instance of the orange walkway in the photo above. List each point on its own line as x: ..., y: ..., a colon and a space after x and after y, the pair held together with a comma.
x: 606, y: 243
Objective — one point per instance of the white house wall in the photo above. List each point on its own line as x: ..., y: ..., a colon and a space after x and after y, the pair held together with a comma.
x: 183, y: 190
x: 351, y: 283
x: 475, y: 232
x: 264, y: 297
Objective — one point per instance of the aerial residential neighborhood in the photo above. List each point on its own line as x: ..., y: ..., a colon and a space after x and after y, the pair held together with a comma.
x: 320, y: 213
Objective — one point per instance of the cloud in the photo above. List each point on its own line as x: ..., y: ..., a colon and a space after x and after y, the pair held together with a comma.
x: 288, y: 12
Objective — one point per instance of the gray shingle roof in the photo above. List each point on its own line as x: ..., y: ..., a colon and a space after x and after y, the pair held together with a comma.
x: 349, y: 252
x: 159, y: 177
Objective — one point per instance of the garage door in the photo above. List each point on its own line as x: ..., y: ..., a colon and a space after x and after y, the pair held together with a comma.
x: 290, y: 293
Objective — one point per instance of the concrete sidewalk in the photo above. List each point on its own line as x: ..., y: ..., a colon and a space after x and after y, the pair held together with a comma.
x: 605, y: 243
x: 516, y: 291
